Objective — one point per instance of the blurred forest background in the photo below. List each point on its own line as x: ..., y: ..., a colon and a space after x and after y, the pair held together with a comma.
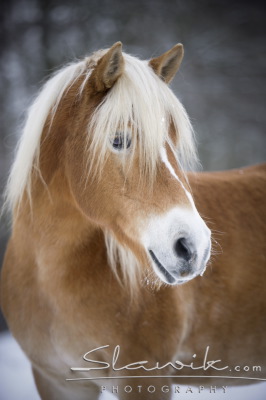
x: 221, y: 81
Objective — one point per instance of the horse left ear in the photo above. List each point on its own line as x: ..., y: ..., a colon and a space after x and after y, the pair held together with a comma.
x: 109, y: 68
x: 167, y: 65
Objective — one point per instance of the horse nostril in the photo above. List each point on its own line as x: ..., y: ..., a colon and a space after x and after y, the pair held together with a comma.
x: 183, y: 249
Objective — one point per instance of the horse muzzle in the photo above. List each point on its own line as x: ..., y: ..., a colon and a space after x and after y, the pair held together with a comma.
x: 186, y: 267
x: 179, y: 246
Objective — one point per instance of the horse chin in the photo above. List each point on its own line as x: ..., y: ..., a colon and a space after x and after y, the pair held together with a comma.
x: 171, y: 277
x: 163, y: 273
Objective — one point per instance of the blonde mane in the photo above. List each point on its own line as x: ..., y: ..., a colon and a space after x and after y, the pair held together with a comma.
x: 28, y: 149
x: 139, y: 101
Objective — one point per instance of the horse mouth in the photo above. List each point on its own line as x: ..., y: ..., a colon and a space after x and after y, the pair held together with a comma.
x: 168, y: 277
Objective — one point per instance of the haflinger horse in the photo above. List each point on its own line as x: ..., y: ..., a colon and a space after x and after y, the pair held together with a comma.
x: 103, y: 283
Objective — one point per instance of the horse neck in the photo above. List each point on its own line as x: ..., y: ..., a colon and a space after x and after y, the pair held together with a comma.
x: 55, y: 226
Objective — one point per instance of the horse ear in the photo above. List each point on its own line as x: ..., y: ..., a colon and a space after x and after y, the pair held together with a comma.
x: 167, y: 65
x: 109, y: 68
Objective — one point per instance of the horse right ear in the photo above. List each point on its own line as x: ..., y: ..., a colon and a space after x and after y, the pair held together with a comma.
x: 109, y: 68
x: 167, y: 65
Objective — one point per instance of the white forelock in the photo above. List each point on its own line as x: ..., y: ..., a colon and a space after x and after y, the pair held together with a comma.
x: 140, y: 104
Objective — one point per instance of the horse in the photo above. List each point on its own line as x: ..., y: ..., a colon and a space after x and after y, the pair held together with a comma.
x: 105, y: 281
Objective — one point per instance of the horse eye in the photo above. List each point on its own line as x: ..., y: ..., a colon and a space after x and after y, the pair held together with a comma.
x: 118, y: 142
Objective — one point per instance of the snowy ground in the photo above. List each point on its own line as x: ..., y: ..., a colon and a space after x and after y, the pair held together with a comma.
x: 16, y: 382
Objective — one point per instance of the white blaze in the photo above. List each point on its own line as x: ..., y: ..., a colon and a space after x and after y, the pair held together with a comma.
x: 163, y: 231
